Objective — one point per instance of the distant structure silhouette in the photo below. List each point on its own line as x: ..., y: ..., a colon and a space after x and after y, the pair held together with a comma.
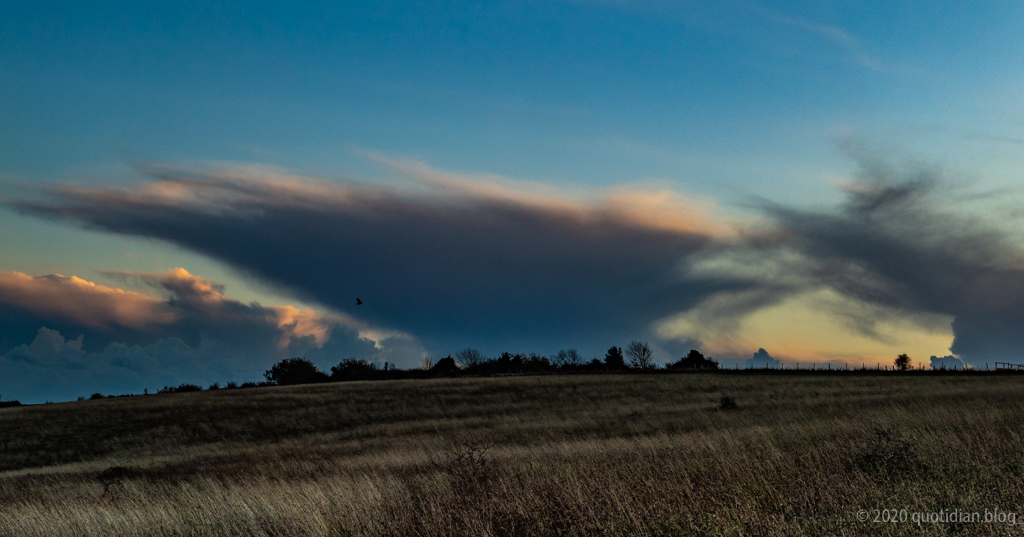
x: 359, y: 302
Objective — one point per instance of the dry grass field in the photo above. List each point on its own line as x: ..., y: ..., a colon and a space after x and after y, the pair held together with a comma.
x: 650, y: 454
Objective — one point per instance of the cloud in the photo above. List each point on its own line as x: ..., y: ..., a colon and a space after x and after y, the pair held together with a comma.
x: 193, y: 334
x: 477, y: 260
x: 906, y: 247
x: 456, y: 261
x: 198, y: 298
x: 83, y: 302
x: 946, y: 362
x: 836, y: 35
x: 762, y: 359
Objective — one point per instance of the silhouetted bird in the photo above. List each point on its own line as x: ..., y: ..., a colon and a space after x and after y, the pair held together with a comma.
x: 359, y: 302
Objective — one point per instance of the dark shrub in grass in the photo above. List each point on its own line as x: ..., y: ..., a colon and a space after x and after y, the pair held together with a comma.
x: 888, y: 453
x: 727, y: 403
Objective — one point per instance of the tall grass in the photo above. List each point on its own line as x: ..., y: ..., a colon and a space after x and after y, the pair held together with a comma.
x: 553, y: 455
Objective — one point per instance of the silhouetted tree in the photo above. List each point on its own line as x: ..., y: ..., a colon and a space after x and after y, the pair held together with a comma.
x: 694, y: 360
x: 352, y: 369
x: 614, y: 358
x: 445, y: 366
x: 536, y: 363
x: 902, y: 362
x: 509, y: 363
x: 294, y: 371
x: 469, y: 358
x: 640, y: 355
x: 568, y: 358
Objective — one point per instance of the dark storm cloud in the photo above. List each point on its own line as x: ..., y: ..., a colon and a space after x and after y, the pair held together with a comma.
x: 465, y: 267
x: 474, y: 264
x: 910, y: 246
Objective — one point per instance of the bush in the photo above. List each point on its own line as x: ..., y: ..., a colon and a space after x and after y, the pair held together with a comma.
x: 888, y: 453
x: 181, y: 388
x: 95, y: 396
x: 352, y: 369
x: 293, y: 371
x: 694, y: 360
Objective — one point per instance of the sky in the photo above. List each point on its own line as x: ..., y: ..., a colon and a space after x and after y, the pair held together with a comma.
x: 191, y: 191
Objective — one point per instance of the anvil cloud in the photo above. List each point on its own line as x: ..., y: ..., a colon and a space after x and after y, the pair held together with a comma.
x: 453, y: 263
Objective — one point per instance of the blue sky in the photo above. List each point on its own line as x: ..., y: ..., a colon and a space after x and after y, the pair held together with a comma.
x: 734, y: 106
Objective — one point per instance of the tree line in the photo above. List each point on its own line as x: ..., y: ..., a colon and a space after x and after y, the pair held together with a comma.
x: 637, y: 356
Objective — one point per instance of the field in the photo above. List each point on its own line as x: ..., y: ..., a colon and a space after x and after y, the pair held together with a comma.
x: 641, y: 454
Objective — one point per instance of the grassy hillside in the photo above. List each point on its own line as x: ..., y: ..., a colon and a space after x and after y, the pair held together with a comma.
x: 549, y: 455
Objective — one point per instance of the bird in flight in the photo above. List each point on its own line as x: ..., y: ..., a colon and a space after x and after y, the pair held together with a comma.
x: 359, y: 302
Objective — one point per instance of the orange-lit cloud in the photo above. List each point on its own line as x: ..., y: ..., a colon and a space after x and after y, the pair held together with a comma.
x: 84, y: 302
x: 64, y: 335
x: 658, y: 208
x: 193, y: 294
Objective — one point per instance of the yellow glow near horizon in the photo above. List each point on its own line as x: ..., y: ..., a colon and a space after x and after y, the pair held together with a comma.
x: 811, y: 328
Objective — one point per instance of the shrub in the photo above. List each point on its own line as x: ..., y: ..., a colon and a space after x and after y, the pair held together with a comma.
x: 727, y: 403
x: 887, y: 452
x: 902, y: 362
x: 352, y: 369
x: 181, y: 388
x: 95, y: 396
x: 694, y: 360
x: 294, y: 371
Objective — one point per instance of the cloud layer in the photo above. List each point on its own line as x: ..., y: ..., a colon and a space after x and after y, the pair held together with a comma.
x: 73, y: 337
x: 906, y: 247
x: 482, y: 261
x: 457, y: 263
